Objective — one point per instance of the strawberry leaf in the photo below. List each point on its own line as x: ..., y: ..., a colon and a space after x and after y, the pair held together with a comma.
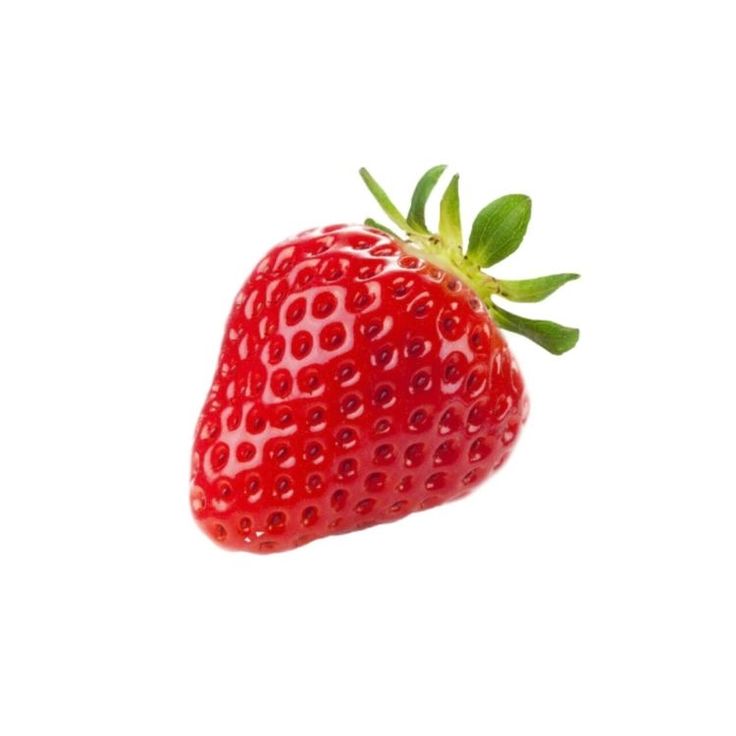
x: 386, y: 204
x: 372, y: 223
x: 450, y: 228
x: 419, y: 199
x: 497, y: 232
x: 499, y: 229
x: 557, y: 339
x: 533, y: 290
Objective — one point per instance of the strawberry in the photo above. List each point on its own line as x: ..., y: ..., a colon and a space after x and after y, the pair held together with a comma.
x: 363, y: 376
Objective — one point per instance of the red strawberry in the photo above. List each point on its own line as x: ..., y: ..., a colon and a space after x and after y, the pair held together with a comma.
x: 362, y: 376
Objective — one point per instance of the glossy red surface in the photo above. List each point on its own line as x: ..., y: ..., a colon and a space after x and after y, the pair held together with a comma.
x: 356, y: 384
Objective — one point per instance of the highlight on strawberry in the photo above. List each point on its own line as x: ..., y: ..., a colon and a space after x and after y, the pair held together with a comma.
x: 363, y: 375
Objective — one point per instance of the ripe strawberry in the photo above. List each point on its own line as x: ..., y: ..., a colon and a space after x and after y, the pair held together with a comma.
x: 362, y: 376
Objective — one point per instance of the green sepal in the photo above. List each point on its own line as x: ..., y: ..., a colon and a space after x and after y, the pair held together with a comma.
x: 499, y: 229
x: 383, y: 200
x: 533, y: 290
x: 419, y: 199
x: 372, y: 223
x: 451, y: 231
x: 557, y: 339
x: 496, y: 233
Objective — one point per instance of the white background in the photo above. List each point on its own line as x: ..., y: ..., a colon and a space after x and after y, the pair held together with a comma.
x: 150, y: 151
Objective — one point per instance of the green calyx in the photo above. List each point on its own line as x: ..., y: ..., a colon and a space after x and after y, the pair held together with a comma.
x: 496, y: 233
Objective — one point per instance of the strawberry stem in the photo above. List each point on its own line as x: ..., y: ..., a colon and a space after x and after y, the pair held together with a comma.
x: 497, y: 232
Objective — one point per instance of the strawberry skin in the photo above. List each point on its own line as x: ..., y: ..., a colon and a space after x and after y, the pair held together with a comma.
x: 357, y: 383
